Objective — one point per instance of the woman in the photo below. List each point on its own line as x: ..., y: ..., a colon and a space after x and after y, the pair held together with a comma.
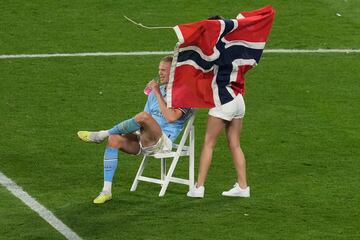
x: 230, y: 116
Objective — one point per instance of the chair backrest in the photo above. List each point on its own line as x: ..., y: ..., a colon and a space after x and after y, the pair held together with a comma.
x: 188, y: 128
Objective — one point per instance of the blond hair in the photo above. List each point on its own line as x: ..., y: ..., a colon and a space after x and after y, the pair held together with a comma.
x: 168, y: 58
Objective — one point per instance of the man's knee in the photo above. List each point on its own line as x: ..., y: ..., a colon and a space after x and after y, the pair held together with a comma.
x: 142, y: 117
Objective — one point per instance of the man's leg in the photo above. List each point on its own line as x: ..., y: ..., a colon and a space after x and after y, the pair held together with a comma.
x: 126, y: 143
x: 149, y: 135
x: 124, y: 127
x: 150, y: 130
x: 213, y: 129
x: 233, y: 130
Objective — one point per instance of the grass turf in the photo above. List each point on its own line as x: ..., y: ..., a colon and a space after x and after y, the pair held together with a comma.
x: 300, y: 137
x: 19, y: 222
x: 88, y: 26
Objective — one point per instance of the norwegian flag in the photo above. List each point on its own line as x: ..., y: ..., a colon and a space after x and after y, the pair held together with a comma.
x: 212, y: 57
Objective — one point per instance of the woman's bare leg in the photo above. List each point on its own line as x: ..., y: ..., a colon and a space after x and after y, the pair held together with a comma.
x: 213, y: 129
x: 233, y: 130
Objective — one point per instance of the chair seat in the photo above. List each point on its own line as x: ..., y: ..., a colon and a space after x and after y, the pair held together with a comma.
x: 170, y: 154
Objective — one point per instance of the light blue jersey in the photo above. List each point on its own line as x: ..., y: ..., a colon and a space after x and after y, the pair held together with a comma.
x: 173, y: 129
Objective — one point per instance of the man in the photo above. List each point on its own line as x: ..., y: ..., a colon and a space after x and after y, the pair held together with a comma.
x: 158, y: 125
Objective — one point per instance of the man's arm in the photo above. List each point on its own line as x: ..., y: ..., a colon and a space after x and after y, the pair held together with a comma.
x: 170, y: 114
x: 146, y: 108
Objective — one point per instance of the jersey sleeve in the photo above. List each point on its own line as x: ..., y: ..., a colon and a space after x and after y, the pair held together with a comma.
x: 147, y: 106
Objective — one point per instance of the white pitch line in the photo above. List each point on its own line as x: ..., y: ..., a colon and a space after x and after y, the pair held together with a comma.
x: 38, y: 208
x: 312, y: 50
x: 94, y: 54
x: 144, y: 53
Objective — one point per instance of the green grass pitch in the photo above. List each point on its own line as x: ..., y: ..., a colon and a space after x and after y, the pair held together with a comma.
x: 301, y: 133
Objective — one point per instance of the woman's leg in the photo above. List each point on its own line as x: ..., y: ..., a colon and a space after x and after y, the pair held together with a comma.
x: 213, y: 129
x: 233, y: 130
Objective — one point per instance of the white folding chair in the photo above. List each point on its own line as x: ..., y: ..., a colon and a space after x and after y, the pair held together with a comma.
x: 178, y: 150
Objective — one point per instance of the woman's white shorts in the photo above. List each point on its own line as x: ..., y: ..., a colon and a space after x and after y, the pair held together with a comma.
x: 230, y: 110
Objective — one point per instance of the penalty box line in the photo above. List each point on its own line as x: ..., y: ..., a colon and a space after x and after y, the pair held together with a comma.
x: 145, y: 53
x: 44, y: 213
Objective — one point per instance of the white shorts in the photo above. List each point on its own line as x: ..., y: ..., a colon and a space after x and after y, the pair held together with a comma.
x: 163, y: 145
x: 230, y: 110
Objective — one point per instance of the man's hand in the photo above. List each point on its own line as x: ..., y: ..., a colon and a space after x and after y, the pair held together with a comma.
x: 154, y: 86
x: 170, y: 114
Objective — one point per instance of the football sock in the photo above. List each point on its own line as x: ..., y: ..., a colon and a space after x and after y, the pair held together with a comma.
x: 107, y: 187
x: 99, y: 136
x: 125, y: 127
x: 110, y: 164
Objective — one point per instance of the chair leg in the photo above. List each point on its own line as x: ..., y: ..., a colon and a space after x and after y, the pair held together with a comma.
x: 168, y: 176
x: 192, y: 158
x: 138, y: 174
x: 163, y: 168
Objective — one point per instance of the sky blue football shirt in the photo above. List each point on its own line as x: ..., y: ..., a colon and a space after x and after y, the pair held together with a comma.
x: 173, y: 129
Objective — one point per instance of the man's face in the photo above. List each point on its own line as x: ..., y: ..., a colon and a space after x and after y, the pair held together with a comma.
x: 164, y: 72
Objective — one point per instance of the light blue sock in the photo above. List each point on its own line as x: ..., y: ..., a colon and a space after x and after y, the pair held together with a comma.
x: 110, y: 163
x: 125, y: 127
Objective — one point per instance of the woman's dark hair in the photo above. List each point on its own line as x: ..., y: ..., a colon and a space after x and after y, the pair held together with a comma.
x: 216, y: 17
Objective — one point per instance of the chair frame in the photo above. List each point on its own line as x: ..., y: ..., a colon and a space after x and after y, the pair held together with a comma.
x: 167, y: 176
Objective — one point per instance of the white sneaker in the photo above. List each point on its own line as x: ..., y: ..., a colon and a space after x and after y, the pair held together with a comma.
x: 196, y: 192
x: 236, y: 191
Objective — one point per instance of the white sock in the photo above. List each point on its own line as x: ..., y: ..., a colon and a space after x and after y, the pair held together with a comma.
x: 103, y: 134
x: 99, y: 136
x: 107, y: 187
